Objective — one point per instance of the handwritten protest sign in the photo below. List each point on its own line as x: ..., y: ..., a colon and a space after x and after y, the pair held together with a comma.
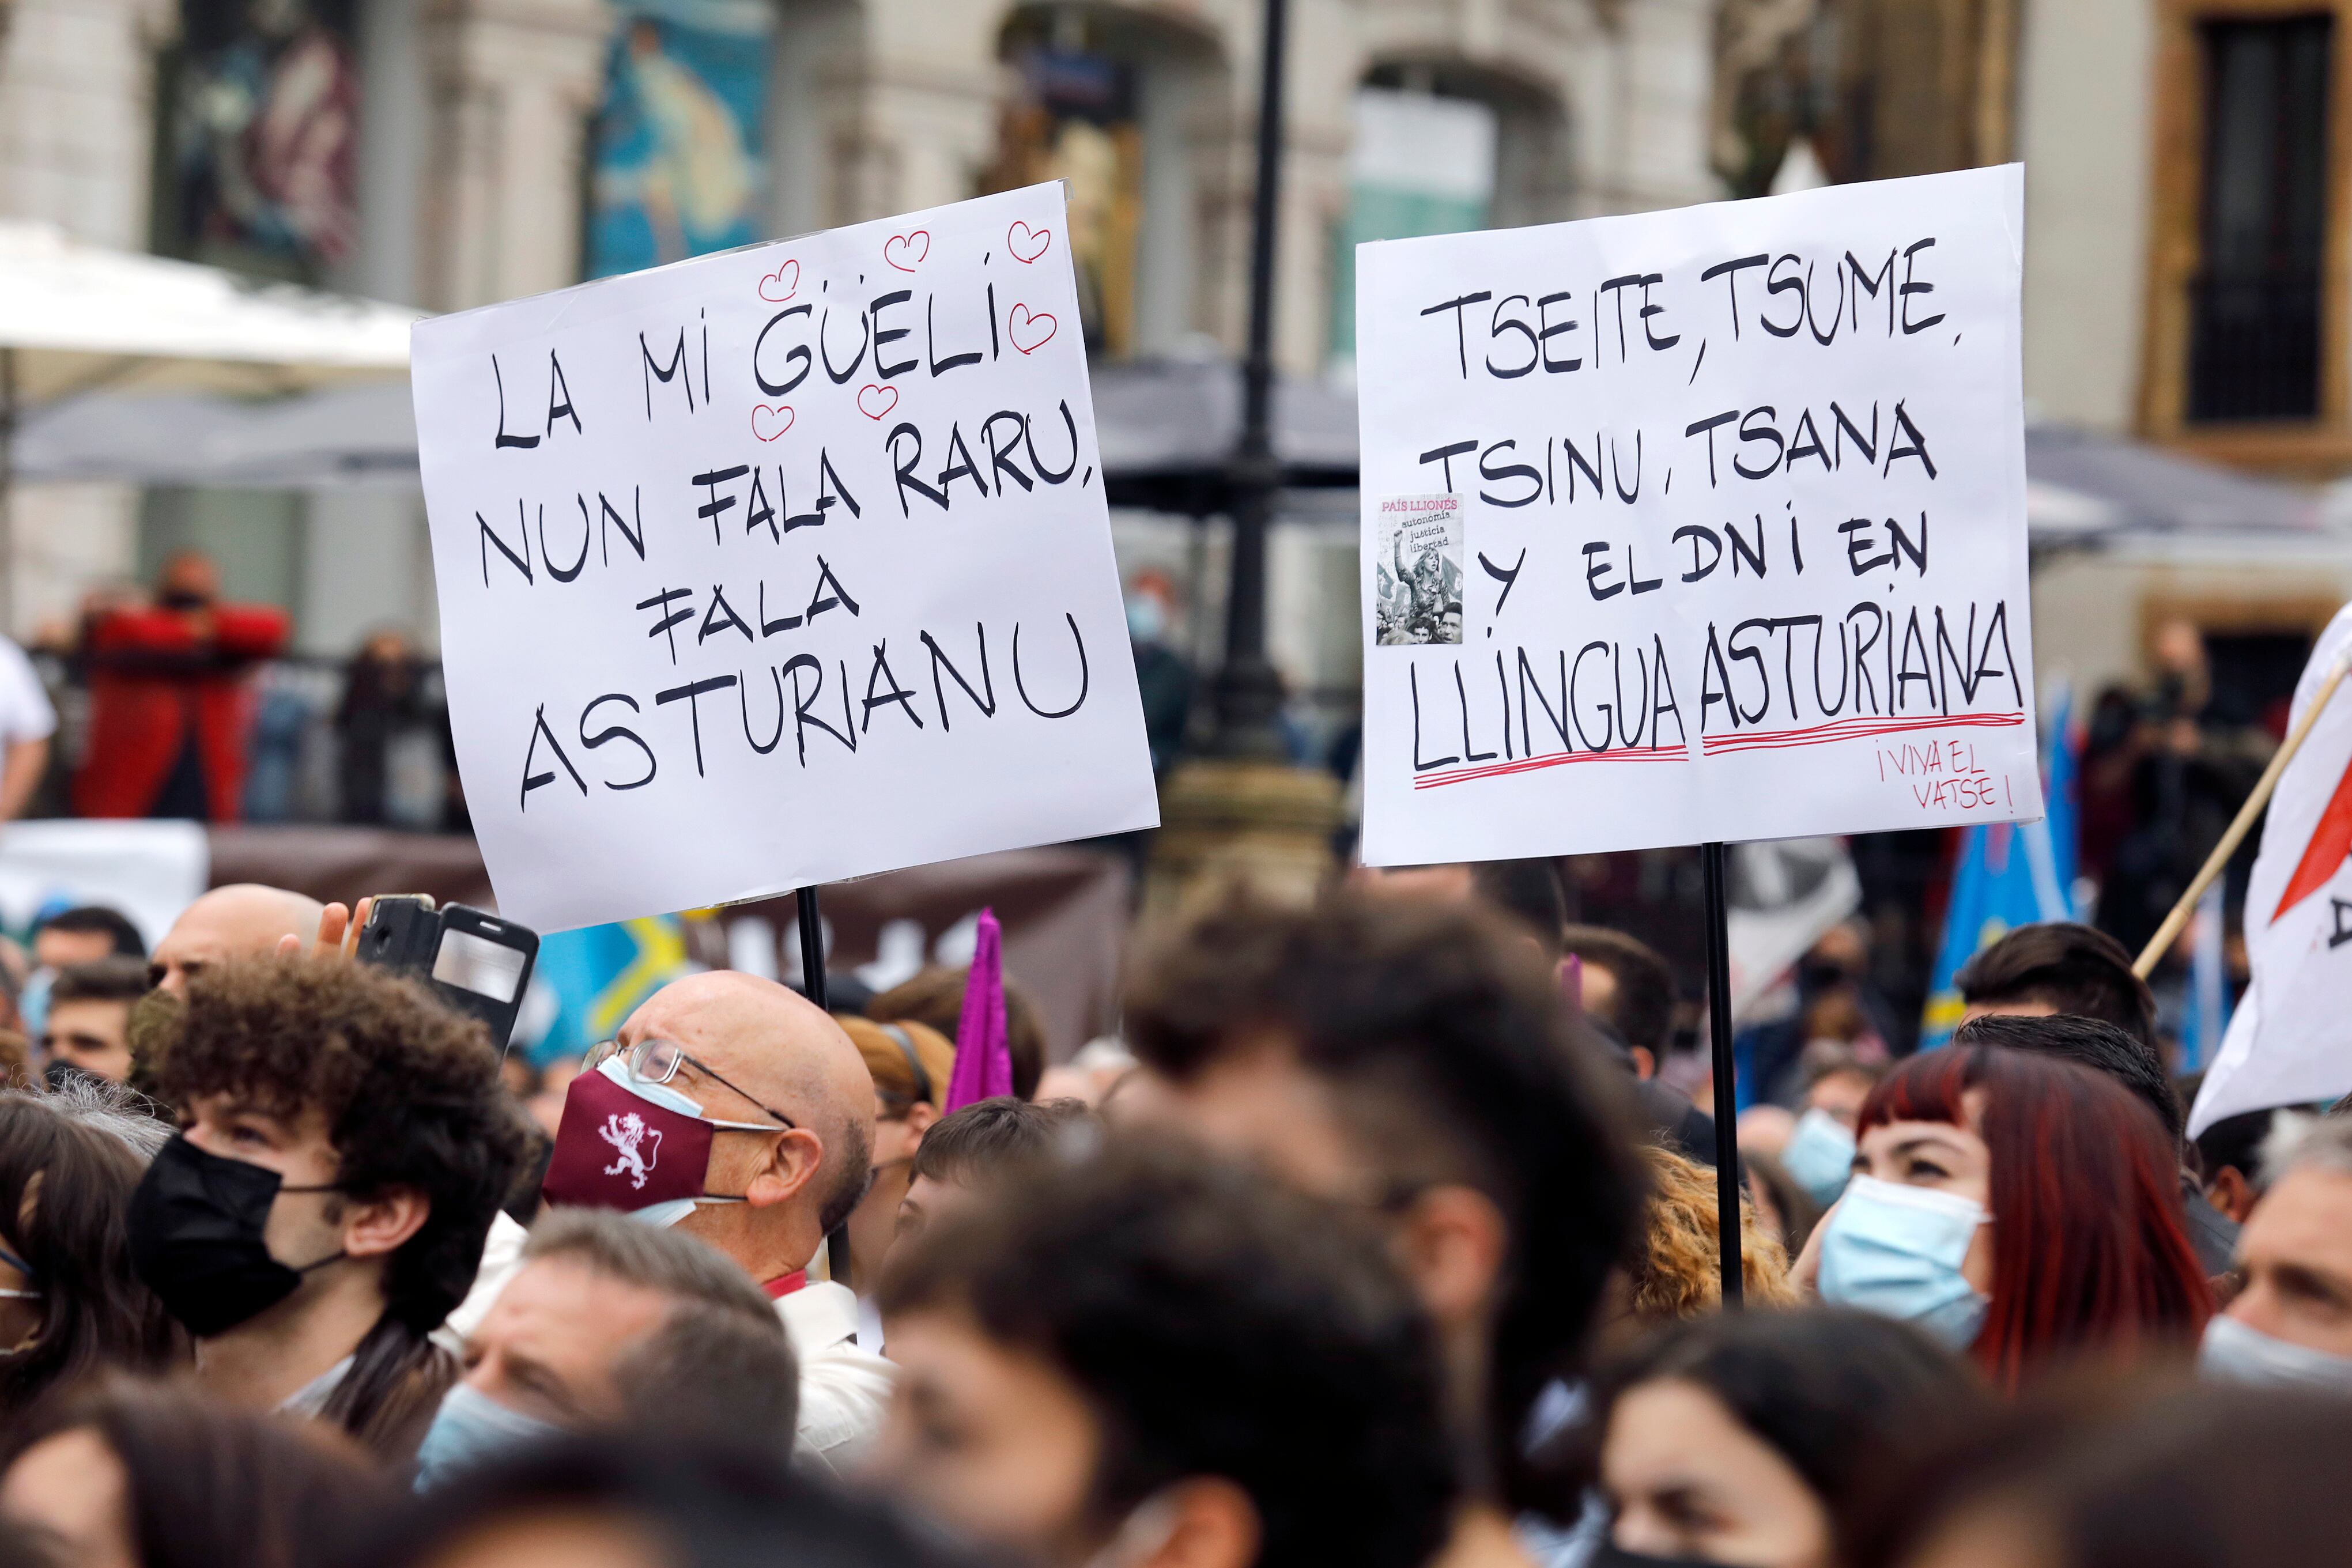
x: 779, y: 566
x: 1696, y: 525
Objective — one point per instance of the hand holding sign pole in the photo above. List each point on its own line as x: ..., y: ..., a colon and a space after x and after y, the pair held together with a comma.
x: 1697, y: 526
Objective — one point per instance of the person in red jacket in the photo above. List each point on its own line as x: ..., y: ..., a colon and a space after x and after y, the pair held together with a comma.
x: 171, y: 702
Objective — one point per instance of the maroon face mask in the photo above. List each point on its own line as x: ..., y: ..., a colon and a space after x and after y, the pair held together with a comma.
x: 632, y: 1146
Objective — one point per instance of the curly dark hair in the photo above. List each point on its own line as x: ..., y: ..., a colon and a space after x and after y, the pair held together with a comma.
x: 409, y: 1093
x: 1451, y: 1057
x: 1214, y: 1326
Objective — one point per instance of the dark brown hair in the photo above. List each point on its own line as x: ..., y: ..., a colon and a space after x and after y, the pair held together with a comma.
x: 1450, y: 1057
x: 209, y: 1485
x: 935, y: 997
x: 989, y: 1137
x: 409, y: 1093
x: 94, y: 1311
x: 116, y: 979
x: 1643, y: 1011
x: 2066, y: 966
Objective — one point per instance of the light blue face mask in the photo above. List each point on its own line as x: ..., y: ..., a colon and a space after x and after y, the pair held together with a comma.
x: 1820, y: 1155
x: 33, y: 1002
x: 2233, y: 1352
x: 1896, y: 1250
x: 469, y: 1428
x: 662, y: 1216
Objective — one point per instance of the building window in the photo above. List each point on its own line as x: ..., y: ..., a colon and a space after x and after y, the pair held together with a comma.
x: 2254, y: 307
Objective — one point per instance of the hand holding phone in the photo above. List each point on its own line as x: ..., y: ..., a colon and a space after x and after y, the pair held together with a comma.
x: 471, y: 959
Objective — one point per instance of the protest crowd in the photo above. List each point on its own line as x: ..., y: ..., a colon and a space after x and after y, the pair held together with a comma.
x: 1381, y: 1242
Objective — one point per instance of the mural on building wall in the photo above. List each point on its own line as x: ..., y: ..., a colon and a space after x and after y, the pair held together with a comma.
x: 1075, y: 120
x: 262, y: 100
x: 677, y: 146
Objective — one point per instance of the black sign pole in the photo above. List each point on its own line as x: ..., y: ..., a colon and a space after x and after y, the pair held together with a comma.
x: 1719, y: 1021
x: 811, y: 928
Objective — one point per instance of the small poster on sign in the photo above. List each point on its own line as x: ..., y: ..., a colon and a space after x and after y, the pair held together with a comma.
x: 1696, y: 525
x: 780, y: 567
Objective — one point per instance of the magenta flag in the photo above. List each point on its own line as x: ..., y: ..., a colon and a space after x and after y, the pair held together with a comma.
x: 984, y: 1059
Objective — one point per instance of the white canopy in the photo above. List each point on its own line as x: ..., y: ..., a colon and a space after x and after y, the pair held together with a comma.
x: 75, y: 316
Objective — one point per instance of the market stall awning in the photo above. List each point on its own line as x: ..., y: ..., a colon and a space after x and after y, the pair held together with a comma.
x: 77, y: 317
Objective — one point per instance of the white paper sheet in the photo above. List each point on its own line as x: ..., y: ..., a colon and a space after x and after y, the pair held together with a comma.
x: 1744, y: 554
x: 713, y: 627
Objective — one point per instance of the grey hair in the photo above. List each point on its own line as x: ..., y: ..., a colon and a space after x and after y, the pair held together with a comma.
x: 666, y: 1261
x: 124, y: 1114
x: 2297, y: 1139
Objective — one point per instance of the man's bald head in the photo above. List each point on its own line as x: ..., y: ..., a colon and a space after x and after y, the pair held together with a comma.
x: 244, y: 920
x: 779, y: 1053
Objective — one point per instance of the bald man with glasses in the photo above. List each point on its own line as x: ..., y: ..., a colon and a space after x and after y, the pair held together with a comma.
x: 741, y: 1113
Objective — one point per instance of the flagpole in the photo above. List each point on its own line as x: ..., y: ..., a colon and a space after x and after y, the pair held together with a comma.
x: 2169, y: 932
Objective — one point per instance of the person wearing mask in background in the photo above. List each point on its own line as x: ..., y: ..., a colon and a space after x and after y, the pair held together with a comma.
x: 89, y: 1025
x: 966, y: 1154
x: 2291, y: 1323
x: 69, y: 1304
x: 170, y: 704
x: 2104, y: 1048
x: 132, y: 1476
x: 1419, y: 1063
x: 1815, y: 1148
x: 610, y: 1324
x: 84, y: 935
x: 383, y: 698
x: 2016, y: 1206
x: 1151, y: 1359
x: 935, y: 999
x: 345, y: 1146
x: 741, y: 1113
x: 1762, y: 1438
x: 243, y: 920
x: 1626, y: 989
x: 911, y: 1064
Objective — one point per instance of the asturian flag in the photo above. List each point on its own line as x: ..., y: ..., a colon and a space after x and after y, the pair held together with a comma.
x: 2290, y: 1041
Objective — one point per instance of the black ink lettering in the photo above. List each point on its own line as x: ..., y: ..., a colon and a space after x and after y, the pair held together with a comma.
x: 1076, y: 702
x: 1729, y: 272
x: 530, y: 780
x: 617, y: 732
x: 1461, y: 339
x: 799, y: 351
x: 985, y: 699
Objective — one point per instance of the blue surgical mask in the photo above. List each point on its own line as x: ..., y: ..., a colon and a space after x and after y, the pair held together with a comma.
x: 1820, y: 1155
x: 1896, y: 1250
x: 2233, y: 1352
x: 469, y: 1428
x: 1146, y: 618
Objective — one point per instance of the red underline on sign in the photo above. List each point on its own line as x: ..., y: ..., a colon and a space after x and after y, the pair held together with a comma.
x: 1622, y: 754
x: 1853, y: 729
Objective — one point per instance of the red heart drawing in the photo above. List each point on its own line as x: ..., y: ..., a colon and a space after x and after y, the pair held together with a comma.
x: 786, y: 277
x: 1021, y: 234
x: 913, y: 246
x: 882, y: 402
x: 1025, y: 320
x: 783, y: 413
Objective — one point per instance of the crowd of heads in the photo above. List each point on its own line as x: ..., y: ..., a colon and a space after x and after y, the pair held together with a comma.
x: 1380, y: 1235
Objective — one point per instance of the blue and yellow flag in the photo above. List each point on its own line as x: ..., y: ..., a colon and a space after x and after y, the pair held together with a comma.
x: 597, y: 976
x: 2009, y: 874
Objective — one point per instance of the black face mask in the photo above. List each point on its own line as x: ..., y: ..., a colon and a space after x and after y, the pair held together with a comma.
x: 1608, y: 1554
x: 195, y: 1228
x: 182, y: 598
x: 65, y: 1075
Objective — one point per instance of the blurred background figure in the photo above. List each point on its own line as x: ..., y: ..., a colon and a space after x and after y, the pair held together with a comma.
x: 170, y: 705
x: 968, y: 1153
x: 27, y: 721
x: 1147, y: 1358
x: 911, y: 1064
x: 2292, y: 1322
x: 1676, y: 1271
x: 1760, y: 1438
x: 1165, y: 676
x: 934, y: 998
x: 131, y: 1476
x: 88, y: 1019
x: 70, y: 1305
x: 383, y: 700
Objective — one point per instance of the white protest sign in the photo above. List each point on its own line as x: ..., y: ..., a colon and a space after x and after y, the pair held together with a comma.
x: 780, y: 567
x: 1696, y: 525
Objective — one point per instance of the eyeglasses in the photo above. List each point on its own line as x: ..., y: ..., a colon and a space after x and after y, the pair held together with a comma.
x: 657, y: 1061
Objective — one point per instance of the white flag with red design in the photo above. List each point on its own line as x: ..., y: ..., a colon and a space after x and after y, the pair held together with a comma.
x: 2290, y: 1041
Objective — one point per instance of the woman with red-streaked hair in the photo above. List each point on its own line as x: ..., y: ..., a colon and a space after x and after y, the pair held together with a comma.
x: 2017, y: 1206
